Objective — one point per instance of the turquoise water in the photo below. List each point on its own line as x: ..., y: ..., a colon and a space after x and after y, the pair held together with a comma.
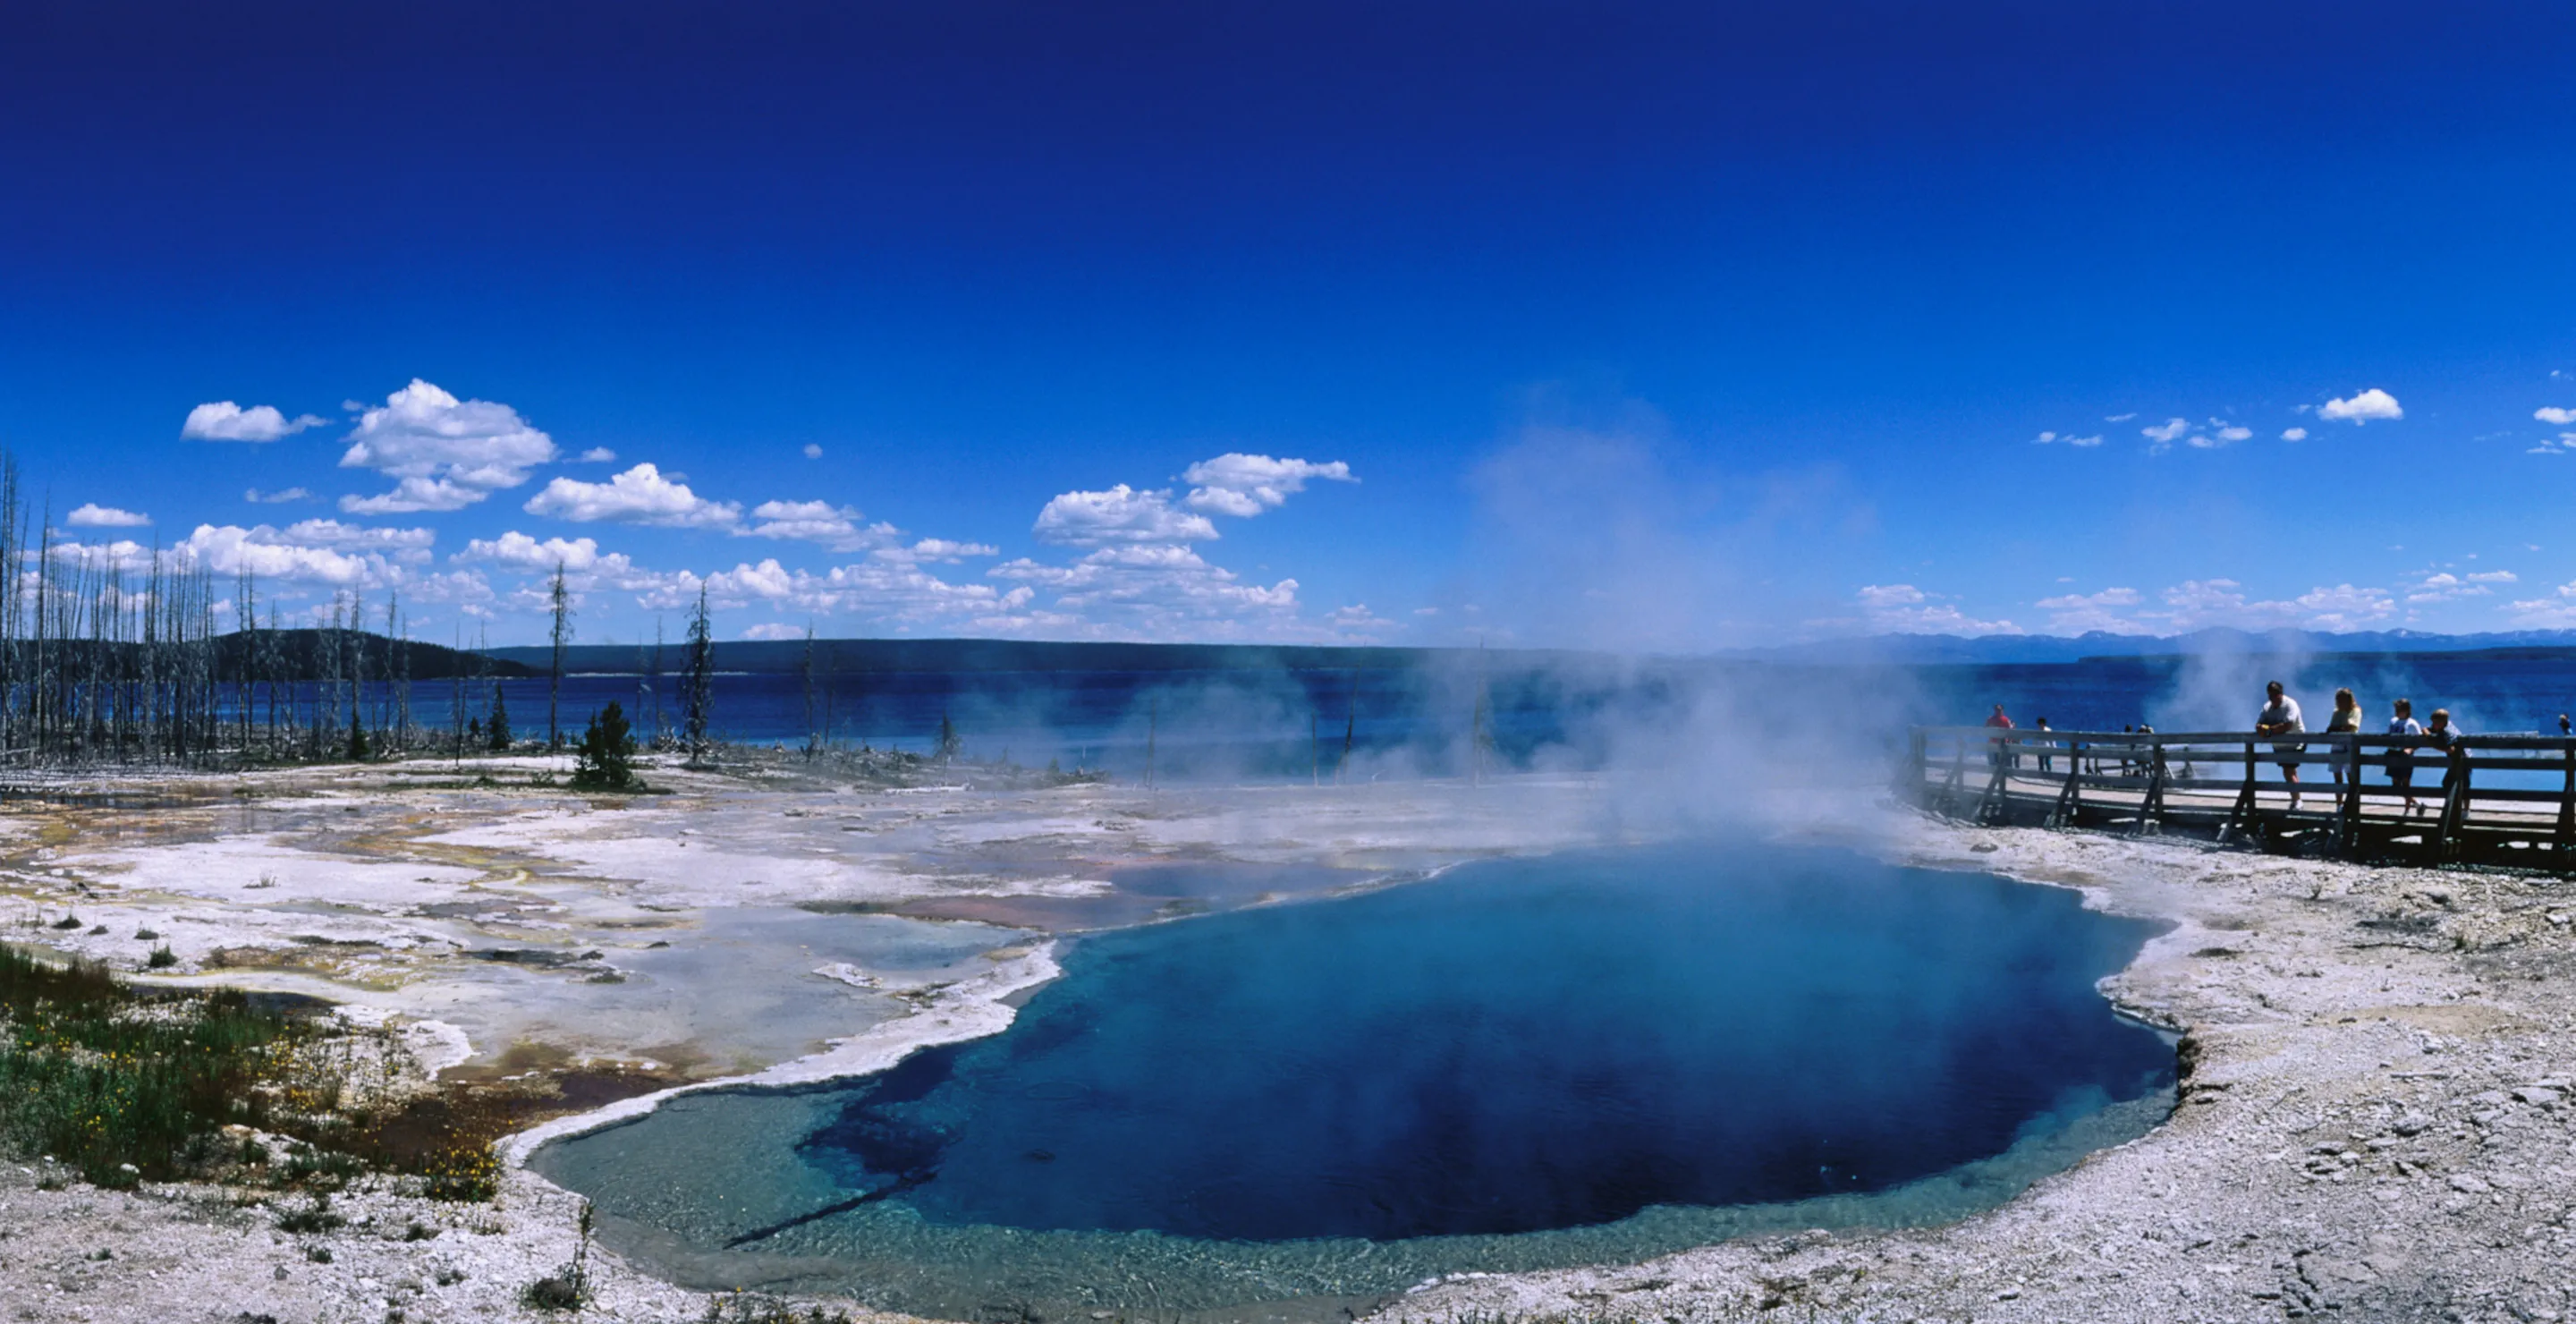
x: 1519, y: 1064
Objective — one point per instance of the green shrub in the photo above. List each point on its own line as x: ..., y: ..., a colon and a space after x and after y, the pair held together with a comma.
x: 605, y: 759
x: 161, y: 957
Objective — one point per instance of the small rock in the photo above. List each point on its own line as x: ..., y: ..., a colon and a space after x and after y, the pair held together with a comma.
x: 2411, y: 1124
x: 2008, y: 1294
x: 1984, y: 848
x: 2467, y: 1184
x: 2538, y: 1094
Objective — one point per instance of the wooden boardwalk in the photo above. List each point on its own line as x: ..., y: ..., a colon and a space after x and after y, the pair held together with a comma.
x: 2508, y: 800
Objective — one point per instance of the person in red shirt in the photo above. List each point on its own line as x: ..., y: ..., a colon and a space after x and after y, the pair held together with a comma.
x: 2002, y: 723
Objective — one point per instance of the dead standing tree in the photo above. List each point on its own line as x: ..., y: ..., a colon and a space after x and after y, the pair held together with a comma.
x: 562, y: 634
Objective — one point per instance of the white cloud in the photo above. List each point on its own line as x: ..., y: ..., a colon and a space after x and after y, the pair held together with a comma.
x: 95, y: 516
x: 229, y: 549
x: 598, y: 455
x: 2555, y: 415
x: 774, y: 630
x: 1245, y: 485
x: 257, y: 497
x: 2085, y: 443
x: 1154, y: 588
x: 2557, y: 611
x: 936, y: 549
x: 2052, y: 438
x: 813, y: 450
x: 222, y: 420
x: 577, y: 556
x: 2344, y: 607
x: 404, y: 544
x: 2368, y: 406
x: 2120, y: 418
x: 2494, y: 576
x: 2562, y: 444
x: 1903, y: 608
x: 2294, y: 434
x: 2167, y: 432
x: 1119, y: 515
x: 640, y: 495
x: 836, y: 527
x: 2077, y: 613
x: 445, y: 453
x: 2444, y: 586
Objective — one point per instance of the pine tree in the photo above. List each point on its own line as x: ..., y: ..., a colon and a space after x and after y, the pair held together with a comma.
x: 498, y: 729
x: 697, y: 682
x: 949, y: 744
x: 605, y: 758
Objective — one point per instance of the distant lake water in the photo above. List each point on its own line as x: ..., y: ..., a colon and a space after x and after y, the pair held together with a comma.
x: 1285, y: 724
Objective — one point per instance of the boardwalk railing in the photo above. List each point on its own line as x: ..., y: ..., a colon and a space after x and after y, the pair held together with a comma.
x: 2493, y: 799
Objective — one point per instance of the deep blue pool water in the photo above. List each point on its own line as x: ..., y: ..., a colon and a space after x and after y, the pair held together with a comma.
x: 1590, y: 1056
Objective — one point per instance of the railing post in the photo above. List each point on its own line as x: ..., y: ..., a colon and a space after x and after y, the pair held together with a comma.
x: 1917, y: 790
x: 2348, y: 834
x: 2243, y: 813
x: 2151, y: 806
x: 2455, y: 803
x: 2566, y: 836
x: 2070, y: 801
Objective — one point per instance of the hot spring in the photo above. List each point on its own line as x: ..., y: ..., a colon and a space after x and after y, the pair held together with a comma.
x: 1584, y: 1058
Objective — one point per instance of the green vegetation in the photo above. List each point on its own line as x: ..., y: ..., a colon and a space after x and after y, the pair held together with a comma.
x: 127, y: 1084
x: 605, y: 760
x: 123, y: 1085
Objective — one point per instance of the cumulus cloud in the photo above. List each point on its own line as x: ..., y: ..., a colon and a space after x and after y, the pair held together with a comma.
x: 2554, y: 415
x: 518, y: 551
x: 2344, y: 607
x: 2052, y: 438
x: 2372, y: 405
x: 94, y: 516
x: 257, y: 497
x: 1120, y: 515
x: 775, y: 630
x: 445, y: 453
x: 2294, y: 434
x: 222, y: 420
x: 2167, y: 432
x: 598, y: 455
x: 1245, y: 485
x: 2080, y: 613
x: 1903, y: 608
x: 937, y: 549
x: 640, y: 495
x: 836, y: 527
x: 2562, y: 444
x: 2120, y: 418
x: 813, y: 451
x: 267, y: 553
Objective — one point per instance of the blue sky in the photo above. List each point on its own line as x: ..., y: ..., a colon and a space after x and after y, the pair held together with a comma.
x: 1646, y: 326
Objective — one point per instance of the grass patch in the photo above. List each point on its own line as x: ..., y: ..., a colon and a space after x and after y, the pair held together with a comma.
x: 128, y: 1084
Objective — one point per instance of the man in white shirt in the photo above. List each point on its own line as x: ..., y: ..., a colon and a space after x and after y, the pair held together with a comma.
x: 2281, y: 717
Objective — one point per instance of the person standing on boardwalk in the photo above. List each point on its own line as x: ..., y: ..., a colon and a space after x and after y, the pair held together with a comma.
x: 2442, y: 735
x: 1998, y: 721
x: 2345, y: 722
x: 2046, y: 763
x: 2280, y: 717
x: 2401, y: 758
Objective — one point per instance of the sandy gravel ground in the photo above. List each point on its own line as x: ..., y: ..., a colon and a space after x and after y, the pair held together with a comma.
x: 2378, y: 1123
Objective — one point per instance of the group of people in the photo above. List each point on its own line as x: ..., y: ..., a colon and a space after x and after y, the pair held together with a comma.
x: 2281, y: 718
